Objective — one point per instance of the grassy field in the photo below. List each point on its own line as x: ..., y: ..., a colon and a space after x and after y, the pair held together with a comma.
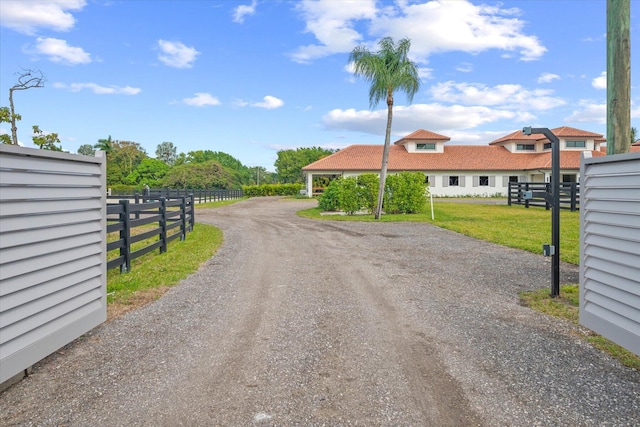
x: 513, y: 226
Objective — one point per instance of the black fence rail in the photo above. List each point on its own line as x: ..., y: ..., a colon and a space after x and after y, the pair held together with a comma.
x: 174, y: 218
x: 200, y: 195
x: 569, y: 195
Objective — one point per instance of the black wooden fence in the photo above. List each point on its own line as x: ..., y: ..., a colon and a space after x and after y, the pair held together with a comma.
x: 131, y: 212
x: 569, y: 194
x: 200, y: 195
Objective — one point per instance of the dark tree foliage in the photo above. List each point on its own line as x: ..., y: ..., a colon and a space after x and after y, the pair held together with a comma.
x: 289, y: 163
x: 207, y: 175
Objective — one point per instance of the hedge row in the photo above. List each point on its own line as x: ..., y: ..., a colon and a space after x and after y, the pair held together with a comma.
x: 405, y: 193
x: 272, y: 190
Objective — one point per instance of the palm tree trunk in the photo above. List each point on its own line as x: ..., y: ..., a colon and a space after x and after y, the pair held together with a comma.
x: 385, y: 158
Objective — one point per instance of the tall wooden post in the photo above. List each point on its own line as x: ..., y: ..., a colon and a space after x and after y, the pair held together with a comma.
x: 618, y: 77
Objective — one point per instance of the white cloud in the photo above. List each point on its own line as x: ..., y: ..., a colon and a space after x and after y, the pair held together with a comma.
x: 600, y: 82
x: 439, y: 26
x: 59, y: 51
x: 435, y: 117
x: 332, y: 24
x: 511, y: 96
x: 547, y: 77
x: 176, y: 54
x: 589, y: 112
x: 268, y: 102
x: 433, y: 26
x: 99, y: 89
x: 243, y: 10
x: 201, y: 99
x: 27, y: 16
x: 464, y: 67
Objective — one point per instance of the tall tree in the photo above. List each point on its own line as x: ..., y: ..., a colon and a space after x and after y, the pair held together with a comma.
x: 389, y: 69
x: 166, y: 152
x: 290, y: 162
x: 87, y: 150
x: 26, y: 80
x: 105, y: 145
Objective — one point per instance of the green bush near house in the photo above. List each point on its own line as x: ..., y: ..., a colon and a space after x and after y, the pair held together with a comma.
x: 405, y: 193
x: 272, y: 190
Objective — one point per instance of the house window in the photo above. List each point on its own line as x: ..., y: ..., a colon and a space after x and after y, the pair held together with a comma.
x: 426, y: 179
x: 483, y: 181
x: 568, y: 178
x: 526, y: 147
x: 547, y: 146
x: 513, y: 178
x: 453, y: 181
x: 422, y: 147
x: 576, y: 144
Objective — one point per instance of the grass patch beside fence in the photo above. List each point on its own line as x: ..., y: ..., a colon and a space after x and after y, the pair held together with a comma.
x: 151, y: 275
x: 513, y: 226
x: 566, y: 306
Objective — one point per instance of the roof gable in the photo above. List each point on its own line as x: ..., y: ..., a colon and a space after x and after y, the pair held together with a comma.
x: 423, y: 135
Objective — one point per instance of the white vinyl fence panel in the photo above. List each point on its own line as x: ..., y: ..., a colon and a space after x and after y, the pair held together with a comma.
x: 610, y: 248
x: 52, y: 252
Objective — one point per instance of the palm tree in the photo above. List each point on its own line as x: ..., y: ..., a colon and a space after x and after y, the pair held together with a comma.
x: 105, y: 145
x: 388, y: 70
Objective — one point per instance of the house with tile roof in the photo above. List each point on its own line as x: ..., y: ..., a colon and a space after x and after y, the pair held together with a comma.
x: 465, y: 170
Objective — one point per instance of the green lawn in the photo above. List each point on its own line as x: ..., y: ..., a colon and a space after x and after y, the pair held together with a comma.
x: 514, y: 226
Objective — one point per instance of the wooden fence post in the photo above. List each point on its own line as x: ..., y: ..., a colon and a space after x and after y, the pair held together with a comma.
x: 192, y: 219
x: 163, y: 224
x: 125, y: 235
x: 509, y: 195
x: 183, y: 217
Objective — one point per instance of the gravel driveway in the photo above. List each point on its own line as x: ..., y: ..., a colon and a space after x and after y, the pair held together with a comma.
x: 302, y: 322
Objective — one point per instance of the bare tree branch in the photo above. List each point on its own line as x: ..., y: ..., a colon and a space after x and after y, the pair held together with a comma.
x: 27, y: 79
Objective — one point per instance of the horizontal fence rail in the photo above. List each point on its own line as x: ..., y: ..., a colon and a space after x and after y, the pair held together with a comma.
x: 129, y: 213
x: 569, y: 195
x: 200, y: 195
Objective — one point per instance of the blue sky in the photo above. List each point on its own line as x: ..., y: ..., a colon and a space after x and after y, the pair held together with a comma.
x: 249, y: 78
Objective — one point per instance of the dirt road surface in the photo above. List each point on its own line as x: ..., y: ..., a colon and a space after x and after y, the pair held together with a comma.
x: 312, y: 323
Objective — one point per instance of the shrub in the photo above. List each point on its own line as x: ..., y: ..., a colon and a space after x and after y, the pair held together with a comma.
x: 368, y: 184
x: 405, y: 193
x: 329, y: 200
x: 350, y: 196
x: 272, y: 190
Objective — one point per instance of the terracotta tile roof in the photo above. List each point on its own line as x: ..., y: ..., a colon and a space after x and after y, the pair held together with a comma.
x: 423, y: 135
x: 456, y: 157
x: 561, y: 132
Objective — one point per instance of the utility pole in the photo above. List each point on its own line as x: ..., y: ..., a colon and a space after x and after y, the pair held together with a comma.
x: 618, y: 77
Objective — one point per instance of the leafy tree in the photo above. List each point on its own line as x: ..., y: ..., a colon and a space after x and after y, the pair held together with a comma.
x: 87, y: 150
x: 241, y: 174
x: 207, y: 175
x: 149, y: 171
x: 123, y: 158
x: 388, y: 70
x: 634, y: 135
x: 5, y: 117
x: 290, y: 162
x: 45, y: 141
x: 166, y: 152
x: 128, y: 154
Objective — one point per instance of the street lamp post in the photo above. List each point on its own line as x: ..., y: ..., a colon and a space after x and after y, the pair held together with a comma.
x: 554, y: 200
